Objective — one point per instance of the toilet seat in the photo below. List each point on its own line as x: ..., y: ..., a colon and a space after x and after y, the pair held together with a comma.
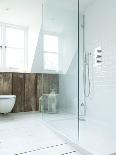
x: 7, y: 96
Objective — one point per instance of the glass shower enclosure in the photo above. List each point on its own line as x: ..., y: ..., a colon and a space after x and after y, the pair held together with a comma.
x: 59, y: 101
x: 79, y: 46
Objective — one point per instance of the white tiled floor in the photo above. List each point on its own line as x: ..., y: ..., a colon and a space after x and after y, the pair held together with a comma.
x: 25, y: 134
x: 95, y: 136
x: 100, y: 138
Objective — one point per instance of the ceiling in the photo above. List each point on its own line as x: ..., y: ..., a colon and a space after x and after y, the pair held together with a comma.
x: 24, y: 11
x: 70, y: 4
x: 27, y: 12
x: 20, y: 12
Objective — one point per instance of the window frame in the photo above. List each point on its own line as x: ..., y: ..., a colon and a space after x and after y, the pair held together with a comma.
x: 3, y: 67
x: 56, y: 53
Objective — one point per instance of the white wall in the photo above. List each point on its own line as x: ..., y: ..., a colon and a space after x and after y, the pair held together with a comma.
x: 24, y: 13
x: 100, y: 28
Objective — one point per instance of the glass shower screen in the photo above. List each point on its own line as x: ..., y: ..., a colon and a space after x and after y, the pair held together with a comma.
x: 59, y: 102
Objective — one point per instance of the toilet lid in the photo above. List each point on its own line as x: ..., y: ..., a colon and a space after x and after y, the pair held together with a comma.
x: 7, y: 96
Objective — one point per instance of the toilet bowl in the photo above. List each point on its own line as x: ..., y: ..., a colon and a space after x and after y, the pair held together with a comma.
x: 7, y: 103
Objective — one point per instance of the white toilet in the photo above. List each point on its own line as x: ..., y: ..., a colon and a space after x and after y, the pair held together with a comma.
x: 7, y: 103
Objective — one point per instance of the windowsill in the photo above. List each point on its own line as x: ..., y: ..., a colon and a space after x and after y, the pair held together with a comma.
x: 51, y: 71
x: 12, y: 70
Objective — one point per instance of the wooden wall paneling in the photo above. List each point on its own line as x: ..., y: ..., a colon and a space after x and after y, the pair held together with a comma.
x: 28, y: 88
x: 39, y: 90
x: 45, y: 84
x: 1, y: 84
x: 50, y: 81
x: 54, y: 82
x: 5, y: 83
x: 19, y: 91
x: 30, y: 92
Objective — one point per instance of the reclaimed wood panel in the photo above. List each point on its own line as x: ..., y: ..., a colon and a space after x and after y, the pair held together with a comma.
x: 19, y: 91
x: 28, y: 88
x: 39, y: 90
x: 50, y: 81
x: 5, y: 83
x: 30, y: 92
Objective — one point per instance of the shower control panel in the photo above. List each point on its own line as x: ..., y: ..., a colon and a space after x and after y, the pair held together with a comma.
x: 98, y: 56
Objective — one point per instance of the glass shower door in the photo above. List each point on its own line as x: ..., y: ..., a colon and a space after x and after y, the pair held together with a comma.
x: 60, y: 66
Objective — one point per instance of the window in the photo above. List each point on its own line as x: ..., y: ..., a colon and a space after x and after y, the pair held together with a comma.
x: 51, y: 50
x: 13, y: 45
x: 0, y: 45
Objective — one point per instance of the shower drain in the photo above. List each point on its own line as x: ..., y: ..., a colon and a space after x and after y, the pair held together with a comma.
x: 47, y: 147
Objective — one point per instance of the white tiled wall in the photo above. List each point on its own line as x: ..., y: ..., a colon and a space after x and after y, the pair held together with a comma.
x: 100, y: 30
